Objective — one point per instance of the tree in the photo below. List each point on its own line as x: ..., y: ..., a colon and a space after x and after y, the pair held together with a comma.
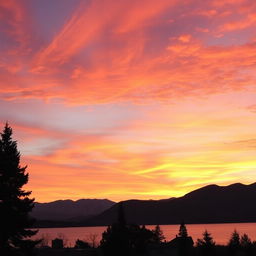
x: 15, y: 203
x: 185, y: 242
x: 121, y: 216
x: 207, y: 240
x: 115, y: 240
x: 206, y: 245
x: 158, y: 235
x: 245, y: 241
x: 183, y: 230
x: 234, y: 242
x: 123, y: 239
x: 246, y: 244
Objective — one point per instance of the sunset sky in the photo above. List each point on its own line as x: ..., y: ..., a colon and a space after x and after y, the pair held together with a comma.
x: 130, y: 99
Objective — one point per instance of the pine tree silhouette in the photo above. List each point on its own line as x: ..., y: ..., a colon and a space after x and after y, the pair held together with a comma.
x: 121, y: 216
x: 115, y: 240
x: 206, y: 245
x: 158, y: 235
x: 185, y: 242
x: 246, y: 244
x: 183, y: 230
x: 15, y: 203
x: 234, y: 243
x: 122, y: 239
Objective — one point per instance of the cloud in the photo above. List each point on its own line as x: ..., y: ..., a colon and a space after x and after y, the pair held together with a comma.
x: 15, y: 31
x: 246, y: 22
x: 134, y: 55
x: 248, y: 144
x: 252, y: 108
x: 130, y: 92
x: 89, y: 22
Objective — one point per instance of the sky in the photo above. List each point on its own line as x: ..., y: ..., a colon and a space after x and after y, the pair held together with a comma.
x: 125, y: 99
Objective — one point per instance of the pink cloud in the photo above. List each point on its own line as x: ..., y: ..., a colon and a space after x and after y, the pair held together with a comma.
x: 145, y: 70
x: 113, y: 61
x: 244, y: 23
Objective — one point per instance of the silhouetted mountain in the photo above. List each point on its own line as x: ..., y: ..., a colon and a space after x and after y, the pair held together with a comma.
x: 210, y: 204
x: 70, y: 211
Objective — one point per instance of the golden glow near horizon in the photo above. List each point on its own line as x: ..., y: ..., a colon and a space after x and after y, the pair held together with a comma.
x: 130, y: 99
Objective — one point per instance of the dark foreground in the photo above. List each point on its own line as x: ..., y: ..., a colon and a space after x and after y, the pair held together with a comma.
x: 133, y: 240
x: 163, y: 251
x: 66, y: 252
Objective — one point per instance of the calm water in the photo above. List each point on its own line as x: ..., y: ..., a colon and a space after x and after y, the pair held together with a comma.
x: 220, y: 232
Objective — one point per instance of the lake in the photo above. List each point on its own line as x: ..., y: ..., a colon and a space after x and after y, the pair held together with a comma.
x: 220, y: 232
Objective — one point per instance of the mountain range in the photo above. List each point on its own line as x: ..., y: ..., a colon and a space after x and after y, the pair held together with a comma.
x: 69, y: 210
x: 210, y: 204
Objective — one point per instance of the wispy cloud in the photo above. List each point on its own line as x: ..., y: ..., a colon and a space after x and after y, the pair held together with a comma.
x: 159, y: 96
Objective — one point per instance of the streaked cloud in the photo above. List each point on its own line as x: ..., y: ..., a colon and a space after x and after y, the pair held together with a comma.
x: 146, y: 99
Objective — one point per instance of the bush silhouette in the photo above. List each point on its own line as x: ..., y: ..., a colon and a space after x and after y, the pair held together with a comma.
x: 80, y: 244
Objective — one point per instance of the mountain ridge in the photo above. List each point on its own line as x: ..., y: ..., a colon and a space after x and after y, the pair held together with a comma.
x: 208, y: 204
x: 68, y: 210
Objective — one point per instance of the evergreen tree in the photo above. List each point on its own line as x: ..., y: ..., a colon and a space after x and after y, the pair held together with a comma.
x: 206, y: 245
x: 139, y: 239
x: 185, y: 242
x: 121, y: 216
x: 15, y: 203
x: 183, y: 230
x: 234, y: 243
x: 245, y: 241
x: 123, y: 239
x: 115, y: 240
x: 207, y: 240
x: 246, y: 244
x: 158, y: 235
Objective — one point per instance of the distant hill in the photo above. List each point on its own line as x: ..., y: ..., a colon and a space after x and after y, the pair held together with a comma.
x: 210, y: 204
x: 70, y: 211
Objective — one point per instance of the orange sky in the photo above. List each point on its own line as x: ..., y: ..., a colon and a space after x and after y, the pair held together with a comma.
x: 130, y: 99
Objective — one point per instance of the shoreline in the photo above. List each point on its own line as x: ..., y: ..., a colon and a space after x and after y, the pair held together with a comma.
x: 88, y: 226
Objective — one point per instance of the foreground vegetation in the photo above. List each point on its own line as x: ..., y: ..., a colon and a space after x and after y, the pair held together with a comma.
x: 134, y: 240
